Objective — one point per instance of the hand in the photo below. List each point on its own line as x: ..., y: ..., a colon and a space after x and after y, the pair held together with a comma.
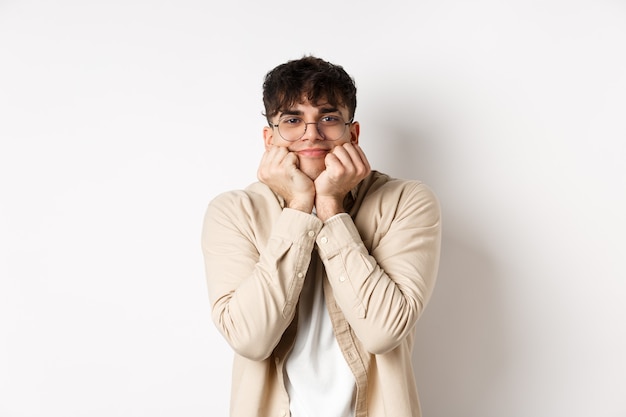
x: 346, y: 166
x: 279, y: 171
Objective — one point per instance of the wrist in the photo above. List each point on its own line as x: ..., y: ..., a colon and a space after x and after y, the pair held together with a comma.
x: 301, y: 204
x: 327, y: 207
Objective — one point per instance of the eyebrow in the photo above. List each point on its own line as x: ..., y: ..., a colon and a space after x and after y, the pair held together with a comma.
x: 293, y: 112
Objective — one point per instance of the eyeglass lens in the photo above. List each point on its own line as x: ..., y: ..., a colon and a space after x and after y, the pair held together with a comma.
x: 328, y: 127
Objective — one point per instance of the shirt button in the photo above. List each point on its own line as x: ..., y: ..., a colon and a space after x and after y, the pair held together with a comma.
x: 300, y: 274
x: 311, y: 233
x: 342, y: 278
x: 283, y: 413
x: 324, y: 239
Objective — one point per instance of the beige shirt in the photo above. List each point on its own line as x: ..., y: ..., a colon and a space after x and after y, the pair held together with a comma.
x: 379, y: 264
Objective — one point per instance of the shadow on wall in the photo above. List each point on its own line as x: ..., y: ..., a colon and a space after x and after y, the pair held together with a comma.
x: 460, y: 354
x: 461, y: 348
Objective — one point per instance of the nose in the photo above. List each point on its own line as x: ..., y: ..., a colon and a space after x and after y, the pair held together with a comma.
x: 311, y: 133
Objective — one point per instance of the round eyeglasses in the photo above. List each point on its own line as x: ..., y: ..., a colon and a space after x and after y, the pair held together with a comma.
x: 293, y: 128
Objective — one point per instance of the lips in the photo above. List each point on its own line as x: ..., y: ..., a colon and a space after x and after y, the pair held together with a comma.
x: 313, y: 152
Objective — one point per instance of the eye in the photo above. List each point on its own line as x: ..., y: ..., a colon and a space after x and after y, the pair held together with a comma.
x: 331, y: 120
x: 290, y: 121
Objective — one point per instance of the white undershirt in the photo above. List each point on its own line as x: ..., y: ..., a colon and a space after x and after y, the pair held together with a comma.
x: 317, y: 377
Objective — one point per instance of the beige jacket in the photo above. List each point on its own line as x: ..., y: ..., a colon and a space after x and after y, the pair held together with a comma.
x: 379, y: 267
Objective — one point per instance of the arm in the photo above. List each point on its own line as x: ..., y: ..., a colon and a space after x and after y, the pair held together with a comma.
x: 257, y: 257
x: 383, y: 293
x: 254, y: 290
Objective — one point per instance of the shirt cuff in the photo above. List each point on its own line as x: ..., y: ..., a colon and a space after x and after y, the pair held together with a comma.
x: 338, y: 232
x: 297, y: 226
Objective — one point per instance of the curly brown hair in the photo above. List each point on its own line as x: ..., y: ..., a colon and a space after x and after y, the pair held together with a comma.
x: 309, y: 77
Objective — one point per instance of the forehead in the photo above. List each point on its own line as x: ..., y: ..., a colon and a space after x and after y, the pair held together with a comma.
x: 306, y: 107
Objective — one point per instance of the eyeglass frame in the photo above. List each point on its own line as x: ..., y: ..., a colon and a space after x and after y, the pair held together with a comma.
x: 306, y: 125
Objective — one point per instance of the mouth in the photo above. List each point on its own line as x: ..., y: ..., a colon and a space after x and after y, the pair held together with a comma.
x: 312, y: 152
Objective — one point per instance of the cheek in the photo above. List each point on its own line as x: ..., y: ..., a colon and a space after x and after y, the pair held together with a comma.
x: 282, y: 144
x: 341, y: 142
x: 274, y: 141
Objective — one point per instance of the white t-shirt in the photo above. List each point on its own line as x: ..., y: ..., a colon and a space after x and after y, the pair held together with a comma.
x: 317, y: 377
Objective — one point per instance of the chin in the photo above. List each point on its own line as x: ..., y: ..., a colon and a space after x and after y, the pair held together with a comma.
x: 312, y: 174
x: 313, y: 171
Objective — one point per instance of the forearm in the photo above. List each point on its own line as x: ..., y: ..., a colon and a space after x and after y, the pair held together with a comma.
x: 381, y: 294
x: 326, y: 208
x: 254, y: 290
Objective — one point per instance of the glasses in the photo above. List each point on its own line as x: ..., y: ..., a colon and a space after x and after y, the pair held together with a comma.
x: 293, y: 128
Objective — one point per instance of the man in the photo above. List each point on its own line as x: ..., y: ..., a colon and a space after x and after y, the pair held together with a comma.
x: 318, y: 273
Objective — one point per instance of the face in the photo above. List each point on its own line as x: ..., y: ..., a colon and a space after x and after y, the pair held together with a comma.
x: 311, y: 148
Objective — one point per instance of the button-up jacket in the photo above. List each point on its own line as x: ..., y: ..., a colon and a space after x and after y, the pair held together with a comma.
x: 379, y: 265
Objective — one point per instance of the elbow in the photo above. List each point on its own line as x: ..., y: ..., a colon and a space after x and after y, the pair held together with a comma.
x: 383, y: 342
x: 251, y: 351
x: 389, y: 334
x: 379, y: 347
x: 248, y: 346
x: 244, y: 341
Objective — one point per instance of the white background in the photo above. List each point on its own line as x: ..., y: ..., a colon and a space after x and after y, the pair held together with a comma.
x: 120, y: 120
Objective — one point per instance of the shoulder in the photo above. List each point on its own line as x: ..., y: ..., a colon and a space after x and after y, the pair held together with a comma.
x: 255, y: 195
x: 256, y: 199
x: 379, y: 184
x: 381, y: 192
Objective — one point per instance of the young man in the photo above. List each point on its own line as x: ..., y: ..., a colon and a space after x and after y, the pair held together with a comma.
x: 318, y: 273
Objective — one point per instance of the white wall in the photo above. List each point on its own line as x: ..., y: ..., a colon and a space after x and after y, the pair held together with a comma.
x: 120, y: 120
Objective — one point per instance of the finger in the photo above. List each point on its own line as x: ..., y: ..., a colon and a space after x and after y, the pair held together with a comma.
x: 262, y: 171
x: 291, y: 159
x: 352, y: 152
x: 270, y: 162
x: 341, y: 153
x: 334, y: 166
x: 276, y: 159
x: 358, y: 158
x: 360, y: 151
x: 346, y: 157
x: 276, y: 154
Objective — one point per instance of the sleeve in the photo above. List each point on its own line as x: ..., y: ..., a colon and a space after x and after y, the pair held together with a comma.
x: 254, y: 290
x: 383, y: 293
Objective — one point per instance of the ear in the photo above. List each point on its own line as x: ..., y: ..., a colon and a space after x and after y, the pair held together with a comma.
x: 355, y: 131
x: 268, y: 137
